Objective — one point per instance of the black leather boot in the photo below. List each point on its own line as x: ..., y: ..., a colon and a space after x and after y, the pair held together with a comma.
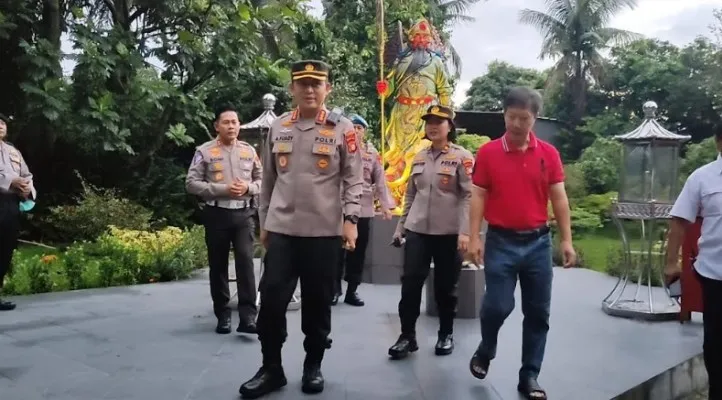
x: 224, y: 325
x: 6, y: 305
x: 404, y: 345
x: 247, y: 325
x: 445, y: 344
x: 312, y: 381
x: 353, y: 299
x: 268, y: 379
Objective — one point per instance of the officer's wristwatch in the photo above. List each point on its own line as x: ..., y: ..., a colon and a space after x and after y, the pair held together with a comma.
x: 351, y: 218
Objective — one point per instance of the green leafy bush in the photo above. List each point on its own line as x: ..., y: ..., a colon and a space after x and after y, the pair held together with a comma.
x: 584, y: 222
x: 472, y: 142
x: 96, y: 209
x: 574, y: 182
x: 117, y: 257
x: 598, y: 204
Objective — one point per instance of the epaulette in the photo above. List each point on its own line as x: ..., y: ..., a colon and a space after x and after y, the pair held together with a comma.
x: 335, y: 116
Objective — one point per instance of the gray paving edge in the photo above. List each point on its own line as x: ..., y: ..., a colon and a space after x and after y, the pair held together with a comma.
x: 675, y: 383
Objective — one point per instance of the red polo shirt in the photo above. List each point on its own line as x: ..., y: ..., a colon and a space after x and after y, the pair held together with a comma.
x: 517, y: 182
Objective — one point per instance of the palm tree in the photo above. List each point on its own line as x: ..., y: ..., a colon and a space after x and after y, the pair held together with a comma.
x: 575, y: 32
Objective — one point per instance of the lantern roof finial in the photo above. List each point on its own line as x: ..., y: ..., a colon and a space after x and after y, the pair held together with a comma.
x: 266, y: 118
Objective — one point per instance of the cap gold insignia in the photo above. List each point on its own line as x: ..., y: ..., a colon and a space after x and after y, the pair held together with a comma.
x: 309, y: 67
x: 435, y: 110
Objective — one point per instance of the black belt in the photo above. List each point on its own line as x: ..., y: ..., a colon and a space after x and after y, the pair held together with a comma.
x: 529, y: 234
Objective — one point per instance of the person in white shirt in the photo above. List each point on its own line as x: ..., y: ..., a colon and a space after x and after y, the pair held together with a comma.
x: 701, y: 196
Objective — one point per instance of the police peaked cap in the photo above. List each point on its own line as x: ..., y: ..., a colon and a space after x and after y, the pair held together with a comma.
x: 314, y: 69
x: 4, y: 118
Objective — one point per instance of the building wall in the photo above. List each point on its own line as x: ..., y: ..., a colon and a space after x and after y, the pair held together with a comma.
x: 492, y: 124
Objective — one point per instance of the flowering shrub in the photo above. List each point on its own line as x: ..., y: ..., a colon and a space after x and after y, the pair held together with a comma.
x: 117, y: 257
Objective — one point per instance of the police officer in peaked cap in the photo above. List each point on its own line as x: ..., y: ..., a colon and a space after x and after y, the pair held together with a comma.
x: 309, y: 208
x: 440, y: 181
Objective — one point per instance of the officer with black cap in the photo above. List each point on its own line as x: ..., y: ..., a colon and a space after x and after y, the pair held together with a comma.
x: 16, y: 193
x: 441, y: 181
x: 309, y: 207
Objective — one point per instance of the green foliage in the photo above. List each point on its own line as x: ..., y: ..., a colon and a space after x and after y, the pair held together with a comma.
x: 617, y: 264
x: 487, y: 92
x: 96, y: 209
x: 574, y: 182
x: 598, y: 204
x: 601, y: 163
x: 472, y: 142
x: 117, y: 257
x: 697, y: 155
x: 584, y: 222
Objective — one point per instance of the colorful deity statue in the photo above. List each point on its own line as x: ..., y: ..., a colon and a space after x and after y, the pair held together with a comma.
x: 417, y: 79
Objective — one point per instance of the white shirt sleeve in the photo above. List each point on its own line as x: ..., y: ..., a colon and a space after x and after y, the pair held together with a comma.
x: 688, y: 203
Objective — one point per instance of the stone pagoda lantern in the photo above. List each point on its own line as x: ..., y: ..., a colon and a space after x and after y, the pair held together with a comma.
x: 649, y: 185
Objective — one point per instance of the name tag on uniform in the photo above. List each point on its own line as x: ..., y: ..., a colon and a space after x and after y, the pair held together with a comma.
x: 450, y: 156
x: 327, y: 132
x: 282, y: 147
x: 324, y: 149
x: 446, y: 171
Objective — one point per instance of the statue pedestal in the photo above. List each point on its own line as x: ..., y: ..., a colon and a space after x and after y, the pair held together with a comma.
x: 384, y: 262
x: 472, y: 286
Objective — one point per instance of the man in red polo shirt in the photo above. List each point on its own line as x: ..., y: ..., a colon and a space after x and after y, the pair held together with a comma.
x: 514, y: 179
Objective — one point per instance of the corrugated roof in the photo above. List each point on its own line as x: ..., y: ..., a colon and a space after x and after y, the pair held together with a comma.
x: 266, y: 118
x: 650, y: 129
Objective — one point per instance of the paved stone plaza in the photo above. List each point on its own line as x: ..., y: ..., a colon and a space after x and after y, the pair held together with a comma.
x: 157, y: 342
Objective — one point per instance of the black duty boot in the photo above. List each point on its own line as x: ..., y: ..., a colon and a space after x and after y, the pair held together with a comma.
x: 247, y: 325
x: 224, y: 325
x: 6, y: 305
x: 353, y: 299
x: 404, y: 345
x: 445, y: 344
x: 312, y: 381
x: 268, y: 379
x: 334, y: 299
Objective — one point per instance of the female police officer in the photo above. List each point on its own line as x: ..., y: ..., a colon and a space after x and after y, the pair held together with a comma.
x: 435, y: 224
x: 374, y: 178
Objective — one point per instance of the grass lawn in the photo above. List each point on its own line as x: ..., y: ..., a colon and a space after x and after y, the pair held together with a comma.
x: 29, y: 250
x: 596, y: 249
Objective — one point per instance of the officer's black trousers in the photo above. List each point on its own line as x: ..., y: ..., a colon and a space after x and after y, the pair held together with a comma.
x: 353, y: 261
x: 419, y: 250
x: 288, y: 258
x: 9, y: 231
x: 223, y: 228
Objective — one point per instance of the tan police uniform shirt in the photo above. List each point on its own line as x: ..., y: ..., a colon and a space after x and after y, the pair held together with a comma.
x: 215, y: 166
x: 374, y: 184
x: 312, y: 176
x: 12, y: 165
x: 438, y: 192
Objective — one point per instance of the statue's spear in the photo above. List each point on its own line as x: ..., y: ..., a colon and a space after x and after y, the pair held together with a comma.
x: 381, y: 84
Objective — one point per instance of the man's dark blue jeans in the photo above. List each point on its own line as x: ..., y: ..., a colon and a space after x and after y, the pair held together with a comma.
x: 506, y: 259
